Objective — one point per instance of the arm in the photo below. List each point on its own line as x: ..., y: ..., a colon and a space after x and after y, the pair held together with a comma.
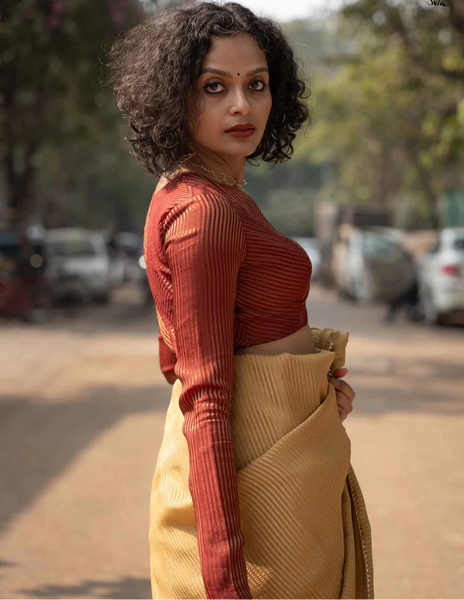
x: 205, y: 246
x: 167, y: 360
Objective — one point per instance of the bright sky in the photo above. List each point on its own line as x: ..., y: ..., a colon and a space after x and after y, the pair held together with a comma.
x: 287, y: 10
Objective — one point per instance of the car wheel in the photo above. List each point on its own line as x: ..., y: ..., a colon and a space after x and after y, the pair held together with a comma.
x: 102, y: 298
x: 343, y: 294
x: 414, y: 314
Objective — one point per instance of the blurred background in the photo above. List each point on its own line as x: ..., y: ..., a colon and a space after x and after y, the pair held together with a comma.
x: 375, y: 195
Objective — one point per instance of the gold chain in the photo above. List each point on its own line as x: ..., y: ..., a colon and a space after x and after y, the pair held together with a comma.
x: 189, y: 156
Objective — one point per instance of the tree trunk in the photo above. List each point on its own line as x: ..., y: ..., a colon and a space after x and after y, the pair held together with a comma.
x: 20, y: 175
x: 430, y: 196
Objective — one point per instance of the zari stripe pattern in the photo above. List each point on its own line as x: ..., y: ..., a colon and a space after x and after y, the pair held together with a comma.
x: 222, y: 278
x: 306, y: 529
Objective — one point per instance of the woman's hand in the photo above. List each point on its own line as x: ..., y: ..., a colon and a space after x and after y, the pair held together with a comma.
x: 345, y: 393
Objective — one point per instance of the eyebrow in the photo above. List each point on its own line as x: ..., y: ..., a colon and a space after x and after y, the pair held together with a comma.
x: 225, y: 74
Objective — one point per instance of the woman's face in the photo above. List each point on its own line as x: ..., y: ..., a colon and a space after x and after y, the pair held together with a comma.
x: 234, y: 96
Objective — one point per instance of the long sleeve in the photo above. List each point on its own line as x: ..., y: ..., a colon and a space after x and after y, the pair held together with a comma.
x: 205, y: 246
x: 167, y: 360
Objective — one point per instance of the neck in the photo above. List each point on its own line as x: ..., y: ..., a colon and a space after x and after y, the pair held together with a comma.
x: 216, y: 167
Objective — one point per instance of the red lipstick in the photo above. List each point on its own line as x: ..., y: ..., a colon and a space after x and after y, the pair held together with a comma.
x: 241, y: 127
x: 241, y: 131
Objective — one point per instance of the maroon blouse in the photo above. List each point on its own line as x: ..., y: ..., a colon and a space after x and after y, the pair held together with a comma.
x: 222, y: 279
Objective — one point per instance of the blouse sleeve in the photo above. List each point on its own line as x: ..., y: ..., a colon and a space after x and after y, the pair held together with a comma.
x: 167, y: 360
x: 205, y: 246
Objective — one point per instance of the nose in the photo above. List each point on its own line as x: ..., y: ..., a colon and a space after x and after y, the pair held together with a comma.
x: 240, y: 103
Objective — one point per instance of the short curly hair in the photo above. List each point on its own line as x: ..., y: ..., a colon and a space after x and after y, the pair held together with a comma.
x: 157, y: 61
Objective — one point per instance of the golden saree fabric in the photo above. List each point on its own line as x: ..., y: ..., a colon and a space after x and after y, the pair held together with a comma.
x: 302, y: 512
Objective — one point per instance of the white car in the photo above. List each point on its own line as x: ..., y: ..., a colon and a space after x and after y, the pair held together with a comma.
x: 371, y: 265
x: 441, y: 277
x: 79, y: 262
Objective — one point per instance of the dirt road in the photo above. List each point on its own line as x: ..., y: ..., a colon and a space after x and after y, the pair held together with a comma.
x: 81, y: 419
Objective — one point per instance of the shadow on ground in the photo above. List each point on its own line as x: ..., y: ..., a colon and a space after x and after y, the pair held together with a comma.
x: 128, y: 587
x: 32, y: 435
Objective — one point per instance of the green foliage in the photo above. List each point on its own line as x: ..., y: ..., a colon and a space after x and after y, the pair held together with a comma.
x: 387, y: 114
x: 390, y: 119
x: 52, y: 97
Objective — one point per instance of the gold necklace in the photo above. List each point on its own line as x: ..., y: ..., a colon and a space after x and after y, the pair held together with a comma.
x: 189, y: 156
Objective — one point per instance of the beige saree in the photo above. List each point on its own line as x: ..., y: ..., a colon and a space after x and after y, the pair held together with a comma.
x: 307, y: 532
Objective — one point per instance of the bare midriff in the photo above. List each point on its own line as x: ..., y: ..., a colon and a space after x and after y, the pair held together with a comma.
x: 299, y: 342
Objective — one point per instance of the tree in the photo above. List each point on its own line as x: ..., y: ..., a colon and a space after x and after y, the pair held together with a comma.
x: 432, y: 35
x: 392, y: 125
x: 50, y: 82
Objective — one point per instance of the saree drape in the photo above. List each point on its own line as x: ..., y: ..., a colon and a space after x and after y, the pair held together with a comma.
x: 303, y: 515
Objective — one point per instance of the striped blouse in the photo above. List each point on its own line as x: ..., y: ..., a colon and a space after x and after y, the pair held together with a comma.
x: 222, y: 279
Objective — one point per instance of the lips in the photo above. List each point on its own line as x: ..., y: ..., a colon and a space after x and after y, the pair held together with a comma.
x: 246, y: 127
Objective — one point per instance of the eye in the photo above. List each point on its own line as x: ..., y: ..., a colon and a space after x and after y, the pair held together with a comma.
x: 259, y: 81
x: 212, y: 83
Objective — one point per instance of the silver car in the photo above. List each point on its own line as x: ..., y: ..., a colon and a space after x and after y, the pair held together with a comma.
x: 441, y: 277
x: 372, y: 265
x: 79, y: 263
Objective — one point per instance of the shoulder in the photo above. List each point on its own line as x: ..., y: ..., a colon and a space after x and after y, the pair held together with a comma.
x: 186, y: 185
x: 190, y: 207
x: 196, y: 201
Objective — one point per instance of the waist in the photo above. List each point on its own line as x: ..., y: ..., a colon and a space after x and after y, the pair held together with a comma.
x: 299, y: 342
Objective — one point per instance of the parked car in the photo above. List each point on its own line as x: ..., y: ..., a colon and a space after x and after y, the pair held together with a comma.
x: 312, y: 248
x: 441, y: 277
x: 79, y: 264
x: 117, y: 259
x: 372, y: 265
x: 23, y: 262
x: 131, y: 246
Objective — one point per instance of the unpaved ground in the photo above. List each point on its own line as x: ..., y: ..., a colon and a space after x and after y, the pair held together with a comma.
x: 81, y: 419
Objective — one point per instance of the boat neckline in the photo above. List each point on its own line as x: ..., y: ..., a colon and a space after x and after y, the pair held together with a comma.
x: 214, y: 183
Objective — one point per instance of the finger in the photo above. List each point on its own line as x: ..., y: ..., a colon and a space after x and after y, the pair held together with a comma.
x: 340, y: 372
x: 344, y: 403
x: 343, y: 387
x: 342, y: 414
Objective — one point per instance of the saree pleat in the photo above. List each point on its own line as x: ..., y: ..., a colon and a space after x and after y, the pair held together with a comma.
x: 302, y: 512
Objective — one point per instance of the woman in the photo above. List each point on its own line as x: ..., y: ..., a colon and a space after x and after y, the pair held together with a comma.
x: 253, y: 494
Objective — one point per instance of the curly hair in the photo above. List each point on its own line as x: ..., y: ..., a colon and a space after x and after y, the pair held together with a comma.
x: 157, y: 61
